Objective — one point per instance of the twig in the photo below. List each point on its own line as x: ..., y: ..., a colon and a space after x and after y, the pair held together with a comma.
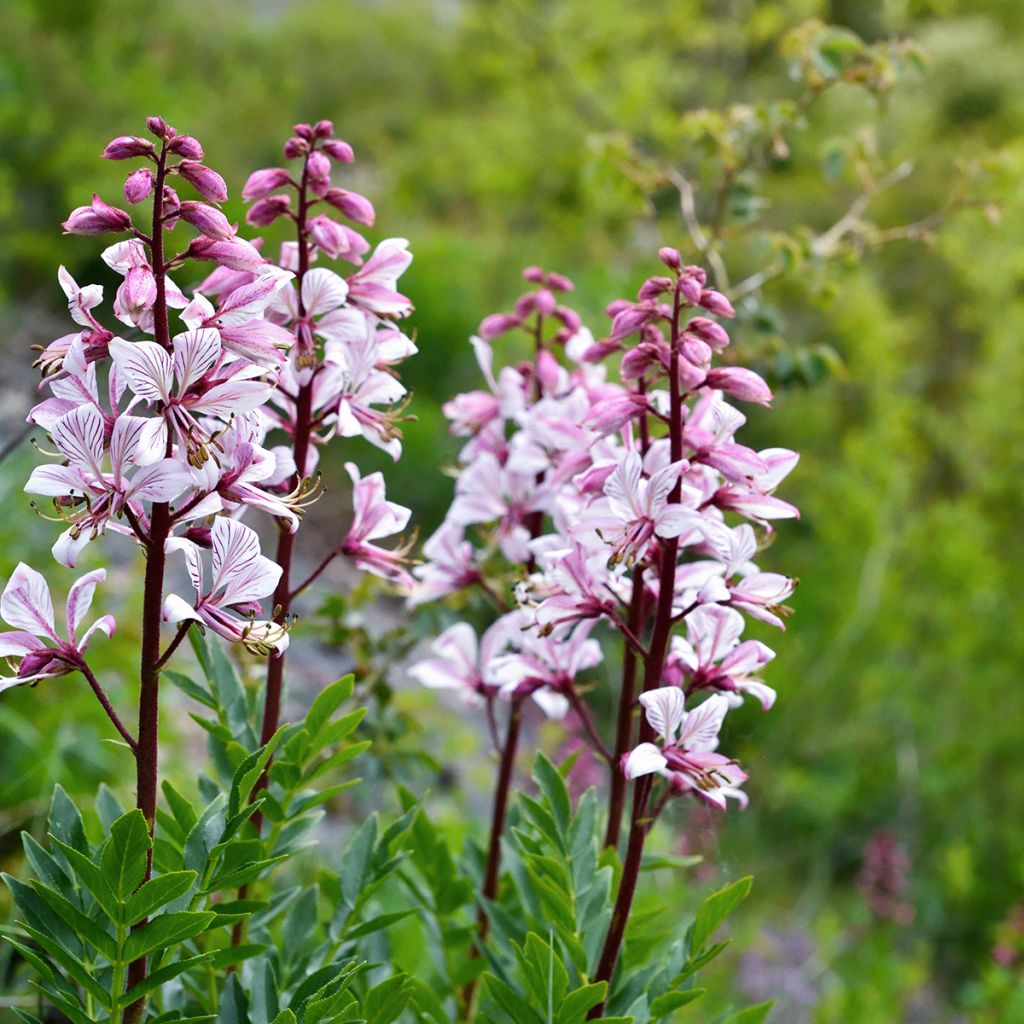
x: 102, y: 697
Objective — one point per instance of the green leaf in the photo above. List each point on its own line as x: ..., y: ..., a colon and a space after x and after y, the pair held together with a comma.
x: 91, y: 877
x: 284, y: 1017
x: 354, y: 868
x: 82, y: 925
x: 108, y: 807
x: 46, y: 867
x: 249, y: 771
x: 574, y: 1007
x: 191, y: 688
x: 157, y: 893
x: 751, y: 1015
x: 184, y: 813
x: 124, y: 857
x: 65, y: 821
x: 378, y: 923
x: 327, y: 702
x: 74, y: 967
x: 510, y: 1001
x: 233, y: 1006
x: 386, y: 1001
x: 241, y: 875
x: 154, y: 979
x: 550, y: 782
x: 165, y: 931
x: 715, y: 909
x: 665, y: 1004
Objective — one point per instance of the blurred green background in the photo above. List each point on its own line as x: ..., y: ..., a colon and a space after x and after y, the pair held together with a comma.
x: 499, y: 134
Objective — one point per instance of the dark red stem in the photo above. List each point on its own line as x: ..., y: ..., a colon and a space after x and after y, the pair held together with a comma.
x: 492, y: 869
x: 147, y: 754
x: 624, y: 722
x: 654, y: 664
x: 104, y: 700
x: 286, y: 539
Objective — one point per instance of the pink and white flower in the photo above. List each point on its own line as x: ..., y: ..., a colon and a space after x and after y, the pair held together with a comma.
x: 685, y: 754
x: 240, y: 577
x: 374, y: 519
x: 42, y: 654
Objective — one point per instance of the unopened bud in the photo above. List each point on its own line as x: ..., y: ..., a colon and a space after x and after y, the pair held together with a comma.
x: 670, y: 257
x: 158, y: 126
x: 138, y: 185
x: 96, y: 219
x: 353, y: 205
x: 124, y: 147
x: 339, y: 150
x: 295, y: 147
x: 266, y: 211
x: 304, y: 131
x: 187, y: 147
x: 208, y: 183
x: 208, y: 219
x: 323, y: 129
x: 261, y: 183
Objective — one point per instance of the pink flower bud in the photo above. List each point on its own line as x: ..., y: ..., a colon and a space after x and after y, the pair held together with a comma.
x: 497, y: 324
x: 670, y: 257
x: 547, y: 371
x: 338, y: 150
x: 304, y: 131
x: 234, y: 252
x: 266, y: 211
x: 714, y: 334
x: 171, y: 206
x: 295, y: 147
x: 208, y: 183
x: 534, y: 274
x: 126, y: 146
x: 611, y: 414
x: 337, y: 240
x: 352, y: 205
x: 157, y: 125
x: 138, y: 185
x: 262, y: 183
x: 639, y: 360
x: 716, y: 302
x: 137, y: 293
x: 653, y: 287
x: 318, y: 171
x: 96, y: 219
x: 569, y: 317
x: 695, y: 350
x: 740, y: 383
x: 323, y: 129
x: 629, y: 321
x: 613, y: 309
x: 544, y: 302
x: 525, y: 305
x: 187, y: 147
x: 209, y: 220
x: 691, y: 283
x: 560, y: 283
x: 201, y: 535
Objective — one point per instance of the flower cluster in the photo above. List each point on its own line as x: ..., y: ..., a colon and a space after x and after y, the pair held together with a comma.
x: 176, y: 418
x: 612, y: 502
x: 618, y: 495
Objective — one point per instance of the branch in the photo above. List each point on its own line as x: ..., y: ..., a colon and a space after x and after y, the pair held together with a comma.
x: 183, y: 628
x: 102, y: 697
x: 588, y: 723
x: 314, y: 575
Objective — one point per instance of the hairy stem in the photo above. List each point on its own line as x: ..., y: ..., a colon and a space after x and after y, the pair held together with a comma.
x: 286, y: 539
x: 624, y: 721
x: 654, y: 664
x: 492, y: 870
x: 147, y: 754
